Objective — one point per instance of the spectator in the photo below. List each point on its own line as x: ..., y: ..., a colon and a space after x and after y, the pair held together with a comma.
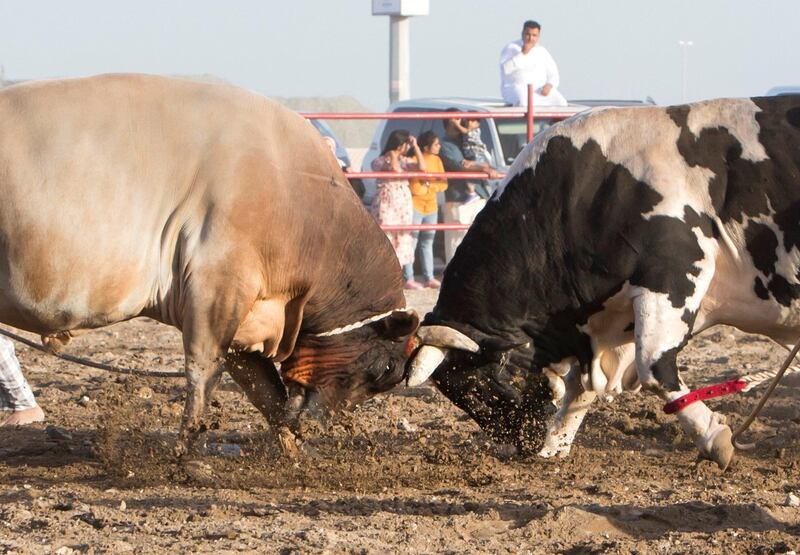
x: 392, y: 205
x: 463, y: 199
x: 524, y: 62
x: 426, y: 209
x: 472, y: 145
x: 16, y: 396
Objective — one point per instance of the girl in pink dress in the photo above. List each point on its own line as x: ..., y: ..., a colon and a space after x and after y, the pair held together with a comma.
x: 392, y: 204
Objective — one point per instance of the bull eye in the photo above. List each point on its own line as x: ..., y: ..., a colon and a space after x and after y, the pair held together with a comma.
x: 387, y: 369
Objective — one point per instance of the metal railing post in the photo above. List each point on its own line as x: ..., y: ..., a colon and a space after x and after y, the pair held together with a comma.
x: 529, y: 113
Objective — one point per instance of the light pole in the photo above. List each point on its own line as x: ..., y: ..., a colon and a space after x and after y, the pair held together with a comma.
x: 684, y: 44
x: 400, y: 12
x: 399, y: 58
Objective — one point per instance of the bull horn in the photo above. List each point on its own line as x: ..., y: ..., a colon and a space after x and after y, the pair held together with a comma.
x: 443, y: 336
x: 425, y: 362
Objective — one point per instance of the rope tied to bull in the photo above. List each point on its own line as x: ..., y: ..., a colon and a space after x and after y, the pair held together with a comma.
x: 743, y: 384
x: 159, y: 374
x: 91, y: 363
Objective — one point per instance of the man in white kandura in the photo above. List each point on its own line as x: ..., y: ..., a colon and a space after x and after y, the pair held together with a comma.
x: 524, y: 62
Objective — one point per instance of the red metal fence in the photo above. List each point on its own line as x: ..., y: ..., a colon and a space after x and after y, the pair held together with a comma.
x: 528, y: 114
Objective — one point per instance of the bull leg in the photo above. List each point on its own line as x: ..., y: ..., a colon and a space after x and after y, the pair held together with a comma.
x: 213, y: 312
x: 662, y: 330
x: 262, y: 384
x: 567, y: 421
x: 202, y: 376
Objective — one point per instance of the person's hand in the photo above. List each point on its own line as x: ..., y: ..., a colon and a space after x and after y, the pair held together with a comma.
x: 493, y: 173
x: 546, y: 89
x: 412, y: 141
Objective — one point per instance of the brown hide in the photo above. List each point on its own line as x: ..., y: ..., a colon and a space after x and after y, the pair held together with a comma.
x: 128, y: 195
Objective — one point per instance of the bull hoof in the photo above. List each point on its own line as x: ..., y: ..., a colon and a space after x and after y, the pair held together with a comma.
x: 180, y: 450
x: 721, y: 451
x: 550, y: 452
x: 188, y: 448
x: 506, y: 451
x: 288, y: 443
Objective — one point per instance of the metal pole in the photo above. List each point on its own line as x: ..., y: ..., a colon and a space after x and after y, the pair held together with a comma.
x: 399, y: 58
x: 684, y: 44
x: 530, y: 112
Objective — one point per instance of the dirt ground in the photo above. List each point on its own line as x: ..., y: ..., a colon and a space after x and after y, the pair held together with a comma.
x: 406, y: 471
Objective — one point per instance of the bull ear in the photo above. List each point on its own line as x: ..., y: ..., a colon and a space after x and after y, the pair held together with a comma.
x: 400, y: 323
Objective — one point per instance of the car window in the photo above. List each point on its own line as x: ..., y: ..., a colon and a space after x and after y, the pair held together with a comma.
x: 513, y: 134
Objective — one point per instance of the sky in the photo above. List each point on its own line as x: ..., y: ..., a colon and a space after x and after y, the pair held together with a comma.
x: 624, y: 49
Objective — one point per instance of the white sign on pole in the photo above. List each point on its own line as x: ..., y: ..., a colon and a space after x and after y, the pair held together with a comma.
x: 400, y: 7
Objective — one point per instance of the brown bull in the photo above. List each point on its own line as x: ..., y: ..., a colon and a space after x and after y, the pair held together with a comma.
x: 205, y: 207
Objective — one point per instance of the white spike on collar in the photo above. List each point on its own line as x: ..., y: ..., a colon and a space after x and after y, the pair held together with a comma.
x: 355, y: 326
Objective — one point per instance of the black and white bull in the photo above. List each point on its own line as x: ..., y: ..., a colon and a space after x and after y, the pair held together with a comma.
x: 617, y: 236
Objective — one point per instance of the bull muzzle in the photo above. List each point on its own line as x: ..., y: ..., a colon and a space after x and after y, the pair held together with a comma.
x: 435, y: 340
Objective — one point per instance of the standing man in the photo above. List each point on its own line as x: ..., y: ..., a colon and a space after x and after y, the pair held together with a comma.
x: 524, y: 62
x: 463, y: 198
x: 16, y: 396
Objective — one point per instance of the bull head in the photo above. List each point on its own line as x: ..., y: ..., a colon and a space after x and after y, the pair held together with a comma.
x: 350, y: 366
x: 491, y: 381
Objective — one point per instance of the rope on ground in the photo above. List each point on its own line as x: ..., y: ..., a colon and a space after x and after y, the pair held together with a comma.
x: 749, y: 420
x: 91, y: 363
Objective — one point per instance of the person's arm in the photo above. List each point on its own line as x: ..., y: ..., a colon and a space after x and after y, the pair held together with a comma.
x: 395, y: 163
x: 472, y: 166
x: 510, y: 59
x: 553, y: 78
x: 417, y: 153
x: 454, y: 161
x: 436, y: 185
x: 460, y: 127
x: 419, y: 186
x: 381, y: 164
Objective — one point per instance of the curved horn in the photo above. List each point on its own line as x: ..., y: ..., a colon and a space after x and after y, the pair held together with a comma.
x: 425, y: 362
x: 443, y: 336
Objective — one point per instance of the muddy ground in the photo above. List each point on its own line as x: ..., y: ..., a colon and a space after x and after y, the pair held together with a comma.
x: 406, y: 471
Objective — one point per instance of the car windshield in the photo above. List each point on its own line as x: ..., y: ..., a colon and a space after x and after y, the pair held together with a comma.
x: 513, y: 134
